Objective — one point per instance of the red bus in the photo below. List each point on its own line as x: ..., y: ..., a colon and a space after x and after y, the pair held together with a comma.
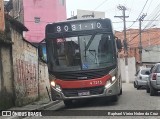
x: 82, y: 57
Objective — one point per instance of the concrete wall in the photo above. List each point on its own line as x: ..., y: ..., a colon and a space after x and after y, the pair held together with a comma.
x: 25, y: 66
x: 6, y: 77
x: 122, y: 66
x: 43, y: 80
x: 128, y: 71
x: 30, y: 74
x: 131, y: 69
x: 151, y: 54
x: 84, y: 14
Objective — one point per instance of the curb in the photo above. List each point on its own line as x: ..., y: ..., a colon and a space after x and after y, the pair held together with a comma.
x: 45, y: 106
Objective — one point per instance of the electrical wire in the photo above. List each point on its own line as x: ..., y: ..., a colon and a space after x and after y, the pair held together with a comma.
x: 152, y: 42
x: 139, y: 14
x: 137, y: 34
x: 149, y: 5
x: 100, y: 4
x: 131, y: 7
x: 153, y: 15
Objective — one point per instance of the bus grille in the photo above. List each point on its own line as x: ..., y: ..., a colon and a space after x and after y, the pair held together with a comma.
x: 74, y: 92
x: 87, y: 74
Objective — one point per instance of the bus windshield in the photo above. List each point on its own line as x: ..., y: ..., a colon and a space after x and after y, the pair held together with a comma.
x: 83, y: 52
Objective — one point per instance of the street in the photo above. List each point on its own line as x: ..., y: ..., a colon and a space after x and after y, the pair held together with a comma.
x: 131, y: 99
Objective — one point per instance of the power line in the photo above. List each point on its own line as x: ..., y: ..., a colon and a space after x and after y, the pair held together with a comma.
x: 147, y: 41
x: 100, y: 4
x: 149, y: 5
x: 136, y: 35
x: 153, y: 15
x: 133, y: 21
x: 139, y: 15
x: 142, y: 9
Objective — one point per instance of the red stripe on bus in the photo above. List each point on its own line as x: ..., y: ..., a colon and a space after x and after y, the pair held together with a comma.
x: 83, y: 83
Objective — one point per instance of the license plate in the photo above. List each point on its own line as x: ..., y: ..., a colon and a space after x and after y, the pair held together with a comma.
x: 83, y: 93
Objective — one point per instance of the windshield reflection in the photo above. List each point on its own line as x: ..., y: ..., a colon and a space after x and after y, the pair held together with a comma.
x: 81, y: 52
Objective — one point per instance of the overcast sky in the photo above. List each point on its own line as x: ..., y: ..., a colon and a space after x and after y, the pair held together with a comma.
x: 134, y: 8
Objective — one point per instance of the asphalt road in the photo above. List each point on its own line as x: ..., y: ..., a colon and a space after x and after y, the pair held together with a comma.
x: 131, y: 99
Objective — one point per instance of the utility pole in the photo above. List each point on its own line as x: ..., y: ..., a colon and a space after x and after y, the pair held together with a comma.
x: 140, y: 36
x: 123, y: 17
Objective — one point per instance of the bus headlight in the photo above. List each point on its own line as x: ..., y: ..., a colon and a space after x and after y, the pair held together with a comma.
x: 53, y: 83
x: 113, y: 78
x: 56, y: 86
x: 108, y: 84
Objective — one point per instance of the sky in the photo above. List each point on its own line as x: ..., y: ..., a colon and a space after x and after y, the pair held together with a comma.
x: 134, y: 8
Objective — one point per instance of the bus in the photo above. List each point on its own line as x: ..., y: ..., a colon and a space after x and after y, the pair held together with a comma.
x: 82, y: 58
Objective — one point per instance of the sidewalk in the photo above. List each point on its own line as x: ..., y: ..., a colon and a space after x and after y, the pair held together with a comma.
x: 39, y: 105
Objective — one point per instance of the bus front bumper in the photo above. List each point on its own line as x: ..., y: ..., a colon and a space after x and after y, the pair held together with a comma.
x: 113, y: 89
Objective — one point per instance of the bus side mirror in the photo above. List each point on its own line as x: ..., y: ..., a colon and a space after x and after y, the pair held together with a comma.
x: 119, y: 44
x: 41, y: 53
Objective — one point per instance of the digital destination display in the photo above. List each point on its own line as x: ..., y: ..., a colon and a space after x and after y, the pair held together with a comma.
x: 71, y: 26
x: 78, y: 26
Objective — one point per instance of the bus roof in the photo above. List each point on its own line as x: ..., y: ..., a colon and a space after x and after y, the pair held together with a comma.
x: 76, y: 20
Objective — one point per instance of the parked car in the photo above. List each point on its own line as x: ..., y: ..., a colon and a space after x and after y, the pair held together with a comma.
x: 153, y: 84
x: 141, y: 78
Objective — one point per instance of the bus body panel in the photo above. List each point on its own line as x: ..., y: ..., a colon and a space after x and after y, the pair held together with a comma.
x: 114, y: 89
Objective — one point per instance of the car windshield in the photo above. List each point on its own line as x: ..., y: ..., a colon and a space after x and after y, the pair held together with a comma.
x: 81, y: 52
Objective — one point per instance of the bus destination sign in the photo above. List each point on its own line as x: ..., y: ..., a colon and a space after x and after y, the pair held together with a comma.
x: 77, y: 26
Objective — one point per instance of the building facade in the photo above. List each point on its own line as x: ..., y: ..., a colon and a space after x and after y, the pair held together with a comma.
x: 35, y: 14
x: 150, y: 38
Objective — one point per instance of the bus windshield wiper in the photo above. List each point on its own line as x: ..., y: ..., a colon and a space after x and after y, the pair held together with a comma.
x: 90, y: 41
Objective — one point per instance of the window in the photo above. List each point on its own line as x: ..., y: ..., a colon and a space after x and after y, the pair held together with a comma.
x: 62, y: 1
x: 143, y: 72
x: 36, y: 19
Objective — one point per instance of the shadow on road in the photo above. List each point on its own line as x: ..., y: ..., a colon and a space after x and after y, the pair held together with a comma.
x: 95, y: 102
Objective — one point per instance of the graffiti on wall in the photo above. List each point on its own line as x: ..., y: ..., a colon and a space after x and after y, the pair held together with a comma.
x: 27, y: 77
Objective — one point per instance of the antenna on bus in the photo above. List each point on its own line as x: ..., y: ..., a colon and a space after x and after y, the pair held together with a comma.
x: 72, y: 13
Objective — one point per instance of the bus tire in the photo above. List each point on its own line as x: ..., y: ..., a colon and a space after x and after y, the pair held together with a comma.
x: 68, y: 103
x: 114, y: 98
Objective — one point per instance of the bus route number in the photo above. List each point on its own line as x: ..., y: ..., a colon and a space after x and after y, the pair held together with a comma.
x: 79, y: 27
